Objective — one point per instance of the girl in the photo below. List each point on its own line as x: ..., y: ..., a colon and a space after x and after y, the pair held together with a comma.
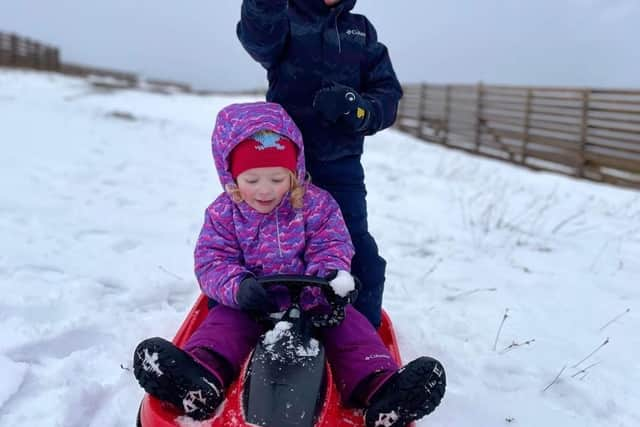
x: 270, y: 220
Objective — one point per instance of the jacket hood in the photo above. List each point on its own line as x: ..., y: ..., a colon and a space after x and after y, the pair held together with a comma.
x: 236, y: 122
x: 317, y: 7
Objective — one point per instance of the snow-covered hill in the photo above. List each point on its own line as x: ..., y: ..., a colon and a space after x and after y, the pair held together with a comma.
x: 102, y: 197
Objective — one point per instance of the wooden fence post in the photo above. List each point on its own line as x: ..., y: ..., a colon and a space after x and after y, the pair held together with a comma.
x: 422, y: 110
x: 48, y: 59
x: 38, y: 52
x: 3, y: 51
x: 584, y: 130
x: 13, y: 48
x: 56, y: 59
x: 401, y: 109
x: 27, y: 54
x: 479, y: 119
x: 447, y: 113
x: 527, y: 125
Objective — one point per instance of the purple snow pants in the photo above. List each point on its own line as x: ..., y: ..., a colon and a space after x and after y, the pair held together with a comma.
x: 354, y: 349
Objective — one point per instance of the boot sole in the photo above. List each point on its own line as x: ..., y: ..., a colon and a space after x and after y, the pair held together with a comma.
x: 171, y: 375
x: 412, y: 399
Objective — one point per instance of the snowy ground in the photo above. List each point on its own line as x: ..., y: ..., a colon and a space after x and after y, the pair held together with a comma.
x: 102, y: 197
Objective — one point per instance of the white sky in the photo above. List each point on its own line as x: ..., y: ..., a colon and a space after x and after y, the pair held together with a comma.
x: 99, y: 217
x: 544, y: 42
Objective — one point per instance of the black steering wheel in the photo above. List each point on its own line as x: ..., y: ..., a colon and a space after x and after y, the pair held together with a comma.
x: 295, y: 283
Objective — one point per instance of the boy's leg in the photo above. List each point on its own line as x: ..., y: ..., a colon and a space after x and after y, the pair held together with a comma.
x: 368, y: 266
x: 357, y: 355
x: 344, y: 179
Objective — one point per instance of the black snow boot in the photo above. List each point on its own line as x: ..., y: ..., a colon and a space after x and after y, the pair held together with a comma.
x: 172, y: 375
x: 410, y: 394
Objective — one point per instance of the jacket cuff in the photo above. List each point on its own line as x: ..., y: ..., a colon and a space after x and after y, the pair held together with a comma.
x: 367, y: 106
x: 236, y: 287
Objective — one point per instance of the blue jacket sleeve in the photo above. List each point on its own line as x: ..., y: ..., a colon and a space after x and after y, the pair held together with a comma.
x: 263, y: 30
x: 380, y: 86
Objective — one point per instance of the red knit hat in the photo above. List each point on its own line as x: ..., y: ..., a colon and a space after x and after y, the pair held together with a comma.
x: 262, y: 150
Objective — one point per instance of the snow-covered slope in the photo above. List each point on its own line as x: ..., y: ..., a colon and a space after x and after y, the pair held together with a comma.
x: 102, y: 197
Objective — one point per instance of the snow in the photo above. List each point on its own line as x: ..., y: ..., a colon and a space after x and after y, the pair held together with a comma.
x: 280, y: 330
x: 343, y: 283
x: 12, y: 382
x: 508, y: 277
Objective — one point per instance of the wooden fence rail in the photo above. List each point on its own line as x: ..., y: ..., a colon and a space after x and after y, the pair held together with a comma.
x: 584, y: 132
x: 18, y: 51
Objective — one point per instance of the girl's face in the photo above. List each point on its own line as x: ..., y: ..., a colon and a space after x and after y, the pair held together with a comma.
x: 264, y: 188
x: 331, y: 3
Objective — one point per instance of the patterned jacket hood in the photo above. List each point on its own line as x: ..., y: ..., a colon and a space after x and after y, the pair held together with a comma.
x: 237, y: 122
x: 237, y: 240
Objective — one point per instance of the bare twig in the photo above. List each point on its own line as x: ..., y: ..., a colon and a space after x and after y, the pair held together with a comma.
x: 504, y: 318
x: 170, y: 273
x: 516, y: 344
x: 566, y: 221
x: 584, y: 370
x: 555, y: 380
x: 433, y: 268
x: 615, y: 319
x: 519, y: 267
x: 584, y: 229
x: 584, y: 376
x: 606, y: 341
x: 467, y: 293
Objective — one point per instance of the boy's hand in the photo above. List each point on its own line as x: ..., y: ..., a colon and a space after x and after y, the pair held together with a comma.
x: 253, y: 298
x: 341, y: 104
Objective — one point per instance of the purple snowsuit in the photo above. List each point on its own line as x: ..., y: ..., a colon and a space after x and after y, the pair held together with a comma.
x: 236, y: 241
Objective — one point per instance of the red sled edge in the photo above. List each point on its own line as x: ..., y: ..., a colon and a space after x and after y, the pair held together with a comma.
x: 154, y: 413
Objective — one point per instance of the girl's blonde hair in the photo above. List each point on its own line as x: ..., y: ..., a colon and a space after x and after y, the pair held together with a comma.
x: 296, y: 190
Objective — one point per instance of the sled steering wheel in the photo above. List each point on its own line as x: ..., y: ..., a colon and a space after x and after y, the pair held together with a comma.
x: 295, y: 283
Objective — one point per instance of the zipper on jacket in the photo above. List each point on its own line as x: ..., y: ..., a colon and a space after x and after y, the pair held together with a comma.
x: 278, y: 234
x: 338, y: 31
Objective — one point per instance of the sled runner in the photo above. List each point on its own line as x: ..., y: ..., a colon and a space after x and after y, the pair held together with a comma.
x: 285, y: 382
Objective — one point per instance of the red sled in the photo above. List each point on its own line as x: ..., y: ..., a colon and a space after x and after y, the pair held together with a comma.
x: 280, y: 396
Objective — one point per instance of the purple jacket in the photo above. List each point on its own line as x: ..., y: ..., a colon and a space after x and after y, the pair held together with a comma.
x: 236, y: 240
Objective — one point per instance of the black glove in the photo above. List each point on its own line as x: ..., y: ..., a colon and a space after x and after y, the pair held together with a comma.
x: 253, y: 298
x: 337, y: 304
x: 343, y: 105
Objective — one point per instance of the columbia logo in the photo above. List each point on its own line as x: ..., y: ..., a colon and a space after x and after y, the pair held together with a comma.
x: 355, y: 32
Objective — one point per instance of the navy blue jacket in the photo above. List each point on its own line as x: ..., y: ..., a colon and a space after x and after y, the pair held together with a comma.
x: 304, y: 44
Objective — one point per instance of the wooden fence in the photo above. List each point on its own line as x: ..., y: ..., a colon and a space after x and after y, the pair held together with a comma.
x: 584, y: 132
x: 124, y: 79
x: 18, y: 51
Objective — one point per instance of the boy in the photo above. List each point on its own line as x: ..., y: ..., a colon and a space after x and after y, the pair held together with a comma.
x: 326, y: 67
